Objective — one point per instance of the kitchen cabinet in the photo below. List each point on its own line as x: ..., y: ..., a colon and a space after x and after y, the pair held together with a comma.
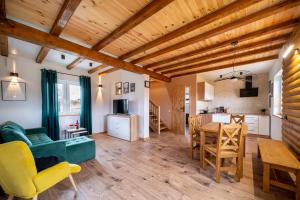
x: 263, y: 126
x: 122, y: 126
x: 205, y: 91
x: 221, y: 118
x: 257, y: 124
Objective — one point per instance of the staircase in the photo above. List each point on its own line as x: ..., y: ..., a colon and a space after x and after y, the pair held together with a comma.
x: 155, y: 122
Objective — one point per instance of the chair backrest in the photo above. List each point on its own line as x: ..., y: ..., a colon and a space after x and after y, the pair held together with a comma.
x: 17, y: 169
x: 230, y: 136
x: 194, y: 124
x: 237, y: 119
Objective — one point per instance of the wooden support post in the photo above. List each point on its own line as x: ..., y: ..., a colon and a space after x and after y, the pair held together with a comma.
x: 266, y: 177
x: 158, y: 120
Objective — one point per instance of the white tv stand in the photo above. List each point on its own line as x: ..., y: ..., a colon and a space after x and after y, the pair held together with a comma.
x: 123, y: 126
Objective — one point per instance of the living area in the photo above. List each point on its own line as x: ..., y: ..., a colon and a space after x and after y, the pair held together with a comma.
x: 117, y: 99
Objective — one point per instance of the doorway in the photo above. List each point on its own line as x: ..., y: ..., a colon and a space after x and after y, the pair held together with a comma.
x: 187, y: 109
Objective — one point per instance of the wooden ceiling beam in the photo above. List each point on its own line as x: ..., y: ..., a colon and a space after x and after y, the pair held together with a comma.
x: 107, y: 71
x: 29, y: 34
x: 97, y: 68
x: 146, y: 12
x: 198, y: 23
x: 3, y: 38
x: 262, y: 32
x: 267, y: 58
x: 227, y: 58
x: 280, y: 7
x: 63, y: 17
x: 279, y: 39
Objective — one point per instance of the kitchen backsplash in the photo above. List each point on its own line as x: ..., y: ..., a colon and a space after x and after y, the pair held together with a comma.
x: 227, y: 94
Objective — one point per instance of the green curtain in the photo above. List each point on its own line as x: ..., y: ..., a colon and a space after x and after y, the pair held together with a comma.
x: 86, y: 104
x: 50, y: 103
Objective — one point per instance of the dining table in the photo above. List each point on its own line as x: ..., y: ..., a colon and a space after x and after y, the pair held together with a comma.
x: 210, y: 130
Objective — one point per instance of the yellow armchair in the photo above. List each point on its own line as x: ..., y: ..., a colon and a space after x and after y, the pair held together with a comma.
x: 18, y: 174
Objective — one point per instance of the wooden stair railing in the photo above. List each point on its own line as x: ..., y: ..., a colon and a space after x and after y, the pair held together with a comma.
x: 155, y: 122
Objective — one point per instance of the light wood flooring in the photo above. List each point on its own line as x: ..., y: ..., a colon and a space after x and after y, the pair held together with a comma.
x: 157, y: 169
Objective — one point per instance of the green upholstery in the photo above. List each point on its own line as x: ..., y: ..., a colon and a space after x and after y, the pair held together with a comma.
x: 80, y: 149
x: 75, y: 150
x: 11, y: 131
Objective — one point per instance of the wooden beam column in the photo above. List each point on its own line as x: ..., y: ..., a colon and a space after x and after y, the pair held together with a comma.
x: 146, y: 12
x: 3, y: 38
x: 64, y: 15
x: 29, y: 34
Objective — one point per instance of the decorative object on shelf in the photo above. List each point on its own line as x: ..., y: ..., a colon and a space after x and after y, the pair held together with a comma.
x: 13, y: 91
x: 235, y: 74
x: 119, y: 88
x: 263, y: 111
x: 126, y: 87
x: 147, y: 84
x: 132, y: 87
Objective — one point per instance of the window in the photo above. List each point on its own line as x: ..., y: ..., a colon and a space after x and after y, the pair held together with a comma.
x: 277, y: 94
x: 68, y: 97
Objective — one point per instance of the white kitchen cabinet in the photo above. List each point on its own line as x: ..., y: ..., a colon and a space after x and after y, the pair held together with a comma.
x: 252, y: 122
x: 263, y: 125
x: 221, y: 118
x: 205, y: 91
x: 122, y: 126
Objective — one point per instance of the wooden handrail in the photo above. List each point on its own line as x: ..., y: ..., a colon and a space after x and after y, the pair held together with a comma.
x: 154, y: 118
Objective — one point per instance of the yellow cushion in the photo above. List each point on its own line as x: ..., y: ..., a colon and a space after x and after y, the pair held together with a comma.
x: 17, y: 168
x: 50, y: 176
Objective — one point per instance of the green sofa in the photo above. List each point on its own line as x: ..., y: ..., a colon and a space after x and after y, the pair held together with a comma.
x: 74, y: 150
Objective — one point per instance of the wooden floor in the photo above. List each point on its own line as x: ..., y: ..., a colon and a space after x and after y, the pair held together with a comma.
x: 159, y: 168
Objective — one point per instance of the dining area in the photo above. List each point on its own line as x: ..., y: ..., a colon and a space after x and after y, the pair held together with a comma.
x: 219, y: 145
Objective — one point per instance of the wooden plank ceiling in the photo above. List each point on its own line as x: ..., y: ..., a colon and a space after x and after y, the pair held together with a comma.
x: 181, y: 37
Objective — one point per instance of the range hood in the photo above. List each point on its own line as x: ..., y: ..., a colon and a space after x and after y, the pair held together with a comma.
x: 248, y: 91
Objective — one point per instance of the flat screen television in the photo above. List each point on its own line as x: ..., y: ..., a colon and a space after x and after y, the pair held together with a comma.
x: 120, y: 106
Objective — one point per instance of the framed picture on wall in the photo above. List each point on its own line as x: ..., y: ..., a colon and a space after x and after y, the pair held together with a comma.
x: 118, y: 88
x: 126, y: 88
x: 13, y: 91
x: 147, y: 84
x: 132, y: 87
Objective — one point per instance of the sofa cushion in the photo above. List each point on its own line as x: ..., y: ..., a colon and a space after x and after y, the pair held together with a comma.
x: 39, y: 138
x: 13, y: 125
x: 10, y: 134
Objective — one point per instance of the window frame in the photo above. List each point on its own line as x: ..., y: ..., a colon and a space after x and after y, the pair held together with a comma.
x: 277, y: 94
x: 66, y: 101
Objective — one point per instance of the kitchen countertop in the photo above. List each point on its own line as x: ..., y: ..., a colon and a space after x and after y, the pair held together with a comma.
x: 234, y: 114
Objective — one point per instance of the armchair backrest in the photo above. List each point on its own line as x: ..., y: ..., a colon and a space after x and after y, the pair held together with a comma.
x: 17, y: 169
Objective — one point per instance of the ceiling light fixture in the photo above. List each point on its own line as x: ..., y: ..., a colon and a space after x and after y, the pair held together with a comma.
x: 288, y: 51
x: 63, y: 57
x: 235, y: 74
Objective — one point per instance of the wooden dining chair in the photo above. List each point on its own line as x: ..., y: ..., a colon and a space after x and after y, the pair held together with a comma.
x: 229, y: 145
x: 237, y: 119
x: 194, y: 130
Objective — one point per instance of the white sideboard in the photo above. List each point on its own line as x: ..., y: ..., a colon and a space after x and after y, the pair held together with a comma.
x: 257, y: 124
x: 123, y: 126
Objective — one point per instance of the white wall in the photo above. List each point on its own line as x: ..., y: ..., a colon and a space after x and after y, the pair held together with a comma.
x: 227, y: 94
x: 138, y: 101
x: 28, y: 113
x: 276, y: 122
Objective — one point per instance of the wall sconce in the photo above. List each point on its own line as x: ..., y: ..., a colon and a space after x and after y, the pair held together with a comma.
x: 100, y: 86
x: 14, y: 74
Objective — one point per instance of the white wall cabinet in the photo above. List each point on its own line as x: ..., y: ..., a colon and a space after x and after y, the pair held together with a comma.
x: 257, y: 124
x: 205, y: 91
x: 123, y: 127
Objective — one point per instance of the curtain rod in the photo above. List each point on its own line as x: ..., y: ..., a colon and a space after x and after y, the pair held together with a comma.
x: 67, y: 74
